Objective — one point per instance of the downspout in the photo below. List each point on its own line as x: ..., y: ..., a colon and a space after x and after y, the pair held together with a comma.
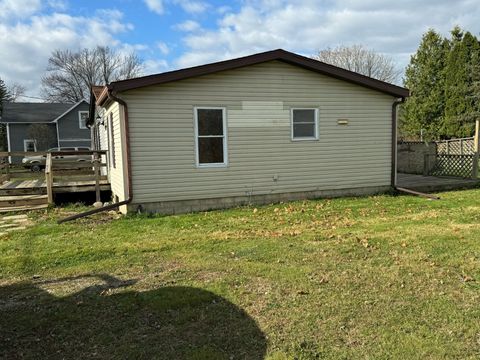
x: 129, y: 168
x: 393, y: 177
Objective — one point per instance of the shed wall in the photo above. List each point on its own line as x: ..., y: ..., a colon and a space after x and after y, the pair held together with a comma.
x: 262, y: 158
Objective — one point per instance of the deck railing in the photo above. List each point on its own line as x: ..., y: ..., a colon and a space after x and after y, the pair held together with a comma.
x: 56, y: 168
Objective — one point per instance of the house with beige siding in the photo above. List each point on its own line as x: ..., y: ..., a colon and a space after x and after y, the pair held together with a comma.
x: 268, y: 127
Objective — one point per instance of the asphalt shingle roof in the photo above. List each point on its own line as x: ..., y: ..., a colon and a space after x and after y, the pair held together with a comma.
x: 33, y: 112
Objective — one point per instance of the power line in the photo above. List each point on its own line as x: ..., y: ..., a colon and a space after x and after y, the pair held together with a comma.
x: 31, y: 97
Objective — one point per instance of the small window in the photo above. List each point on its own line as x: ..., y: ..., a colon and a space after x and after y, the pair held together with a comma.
x: 211, y: 141
x: 82, y: 119
x: 29, y: 145
x: 304, y: 124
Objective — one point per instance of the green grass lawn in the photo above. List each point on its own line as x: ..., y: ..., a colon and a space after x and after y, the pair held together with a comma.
x: 380, y: 278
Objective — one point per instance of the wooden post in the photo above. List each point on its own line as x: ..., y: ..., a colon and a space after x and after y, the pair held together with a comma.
x: 49, y: 178
x: 477, y: 150
x: 7, y: 171
x: 448, y: 147
x: 96, y: 169
x: 426, y: 164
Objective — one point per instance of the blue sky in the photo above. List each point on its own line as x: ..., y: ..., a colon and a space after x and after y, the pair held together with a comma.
x: 171, y: 34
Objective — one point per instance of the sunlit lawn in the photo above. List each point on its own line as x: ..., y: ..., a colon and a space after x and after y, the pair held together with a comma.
x: 381, y: 277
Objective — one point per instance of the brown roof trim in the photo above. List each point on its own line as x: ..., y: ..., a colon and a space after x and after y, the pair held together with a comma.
x: 97, y: 90
x: 279, y: 54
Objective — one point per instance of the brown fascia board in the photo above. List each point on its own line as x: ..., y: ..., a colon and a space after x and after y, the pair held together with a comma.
x: 279, y: 54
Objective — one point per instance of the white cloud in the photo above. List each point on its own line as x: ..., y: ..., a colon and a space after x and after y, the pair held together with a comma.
x: 14, y: 9
x: 155, y: 66
x: 192, y: 6
x: 26, y: 46
x: 155, y: 6
x: 59, y: 5
x: 305, y: 26
x: 163, y: 48
x: 187, y: 26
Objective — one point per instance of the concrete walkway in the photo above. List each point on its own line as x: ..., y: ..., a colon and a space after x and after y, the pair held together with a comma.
x: 434, y: 183
x: 13, y: 223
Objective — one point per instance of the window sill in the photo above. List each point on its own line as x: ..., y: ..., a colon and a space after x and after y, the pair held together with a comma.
x: 305, y: 139
x: 212, y: 166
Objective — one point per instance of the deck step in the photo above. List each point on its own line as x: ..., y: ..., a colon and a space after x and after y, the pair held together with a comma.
x: 21, y: 200
x: 23, y: 208
x: 23, y: 191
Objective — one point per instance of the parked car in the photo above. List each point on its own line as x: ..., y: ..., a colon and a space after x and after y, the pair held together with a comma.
x: 37, y: 162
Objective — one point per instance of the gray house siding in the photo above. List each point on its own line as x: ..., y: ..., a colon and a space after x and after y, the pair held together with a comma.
x: 20, y: 132
x: 69, y: 131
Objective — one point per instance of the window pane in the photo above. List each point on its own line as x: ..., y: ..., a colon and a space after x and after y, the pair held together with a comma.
x: 307, y: 115
x: 303, y: 130
x: 210, y: 150
x: 30, y: 146
x: 210, y: 121
x: 83, y: 119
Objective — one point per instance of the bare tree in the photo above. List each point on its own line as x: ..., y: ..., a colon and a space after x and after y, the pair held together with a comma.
x: 71, y: 74
x: 359, y: 59
x: 16, y: 91
x: 43, y: 135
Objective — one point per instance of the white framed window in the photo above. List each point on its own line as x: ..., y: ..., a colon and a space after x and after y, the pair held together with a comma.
x: 29, y: 145
x: 210, y: 136
x: 82, y: 119
x: 304, y: 123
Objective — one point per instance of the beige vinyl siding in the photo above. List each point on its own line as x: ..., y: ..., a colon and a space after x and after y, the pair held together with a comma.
x: 117, y: 175
x: 258, y: 100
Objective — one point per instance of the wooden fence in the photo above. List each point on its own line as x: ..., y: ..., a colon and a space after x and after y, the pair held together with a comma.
x: 463, y: 146
x: 451, y: 165
x: 456, y: 157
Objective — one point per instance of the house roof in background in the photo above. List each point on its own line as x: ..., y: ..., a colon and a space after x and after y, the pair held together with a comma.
x: 279, y: 54
x: 72, y: 107
x: 20, y: 112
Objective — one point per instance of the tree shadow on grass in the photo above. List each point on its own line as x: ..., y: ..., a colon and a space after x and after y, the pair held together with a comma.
x: 107, y: 322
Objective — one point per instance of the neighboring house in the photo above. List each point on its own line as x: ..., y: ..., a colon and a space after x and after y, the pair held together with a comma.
x: 268, y: 127
x: 39, y: 126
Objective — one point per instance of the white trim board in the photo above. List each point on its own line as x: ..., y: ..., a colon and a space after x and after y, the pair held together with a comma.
x: 70, y: 109
x: 8, y: 143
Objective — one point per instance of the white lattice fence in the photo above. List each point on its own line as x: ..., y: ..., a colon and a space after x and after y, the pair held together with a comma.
x: 452, y: 165
x: 464, y: 146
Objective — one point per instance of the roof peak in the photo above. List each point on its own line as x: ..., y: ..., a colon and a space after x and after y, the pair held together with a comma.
x: 276, y: 54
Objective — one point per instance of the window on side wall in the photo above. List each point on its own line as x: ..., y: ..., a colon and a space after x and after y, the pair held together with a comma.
x: 82, y: 119
x: 304, y: 124
x: 210, y: 137
x: 29, y: 145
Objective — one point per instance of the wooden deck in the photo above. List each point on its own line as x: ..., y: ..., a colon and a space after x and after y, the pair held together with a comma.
x: 23, y: 189
x: 433, y: 183
x: 58, y: 186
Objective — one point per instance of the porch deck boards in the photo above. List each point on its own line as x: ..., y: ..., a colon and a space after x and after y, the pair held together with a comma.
x: 58, y: 186
x: 434, y: 183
